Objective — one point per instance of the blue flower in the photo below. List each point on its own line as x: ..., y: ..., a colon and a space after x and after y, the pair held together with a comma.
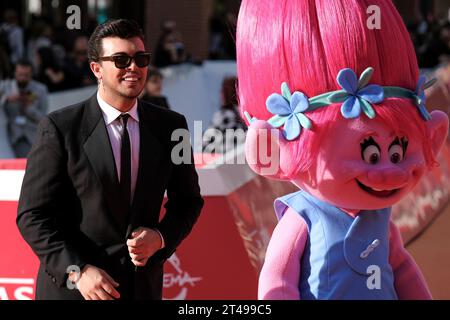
x: 357, y: 94
x: 420, y: 96
x: 288, y: 110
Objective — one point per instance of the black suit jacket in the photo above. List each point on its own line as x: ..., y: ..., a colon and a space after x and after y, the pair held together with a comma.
x: 70, y: 210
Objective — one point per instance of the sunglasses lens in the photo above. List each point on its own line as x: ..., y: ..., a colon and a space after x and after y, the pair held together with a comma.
x: 122, y: 61
x: 142, y: 60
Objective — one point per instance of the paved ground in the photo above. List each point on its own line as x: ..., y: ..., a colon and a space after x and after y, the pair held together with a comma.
x: 432, y: 252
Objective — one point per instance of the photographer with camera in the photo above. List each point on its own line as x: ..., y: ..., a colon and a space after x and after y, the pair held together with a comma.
x: 25, y: 102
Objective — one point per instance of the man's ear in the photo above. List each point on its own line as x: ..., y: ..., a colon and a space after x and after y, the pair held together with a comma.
x: 265, y: 150
x: 95, y: 67
x: 438, y: 129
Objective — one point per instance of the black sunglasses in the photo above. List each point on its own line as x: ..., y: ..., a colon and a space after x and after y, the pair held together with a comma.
x: 122, y: 60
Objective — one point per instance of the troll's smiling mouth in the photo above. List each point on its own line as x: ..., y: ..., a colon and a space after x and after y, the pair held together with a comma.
x: 377, y: 193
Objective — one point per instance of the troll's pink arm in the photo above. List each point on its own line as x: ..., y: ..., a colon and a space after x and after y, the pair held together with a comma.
x: 409, y: 282
x: 280, y: 274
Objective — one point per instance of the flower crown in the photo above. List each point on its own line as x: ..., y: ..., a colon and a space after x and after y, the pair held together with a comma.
x: 356, y: 95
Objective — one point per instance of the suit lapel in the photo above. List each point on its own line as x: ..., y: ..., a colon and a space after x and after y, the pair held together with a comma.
x: 99, y: 152
x: 150, y: 151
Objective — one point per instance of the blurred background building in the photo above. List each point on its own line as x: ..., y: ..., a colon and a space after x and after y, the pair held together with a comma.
x: 199, y: 22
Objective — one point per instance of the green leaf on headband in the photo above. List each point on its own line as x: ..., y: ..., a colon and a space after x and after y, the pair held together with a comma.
x: 249, y: 118
x: 367, y: 109
x: 364, y: 78
x: 277, y: 121
x: 285, y: 92
x: 338, y: 96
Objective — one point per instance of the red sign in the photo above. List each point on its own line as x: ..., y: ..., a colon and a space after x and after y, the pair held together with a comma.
x: 212, y: 263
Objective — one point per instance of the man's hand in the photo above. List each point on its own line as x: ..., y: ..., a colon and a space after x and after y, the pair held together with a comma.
x: 143, y: 244
x: 95, y: 284
x: 13, y: 98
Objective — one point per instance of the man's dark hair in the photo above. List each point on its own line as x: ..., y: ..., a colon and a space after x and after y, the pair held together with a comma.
x: 24, y: 63
x: 120, y: 28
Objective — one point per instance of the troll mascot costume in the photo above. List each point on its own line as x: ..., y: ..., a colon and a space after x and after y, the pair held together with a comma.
x: 342, y: 106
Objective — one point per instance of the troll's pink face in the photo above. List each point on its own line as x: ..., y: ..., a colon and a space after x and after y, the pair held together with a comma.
x: 365, y: 165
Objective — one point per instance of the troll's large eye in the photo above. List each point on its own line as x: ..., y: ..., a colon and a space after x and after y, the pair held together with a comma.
x: 397, y: 149
x: 370, y: 151
x: 396, y: 153
x: 371, y: 154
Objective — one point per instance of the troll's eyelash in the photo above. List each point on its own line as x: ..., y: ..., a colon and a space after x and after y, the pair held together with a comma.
x: 369, y: 142
x: 366, y: 143
x: 403, y: 142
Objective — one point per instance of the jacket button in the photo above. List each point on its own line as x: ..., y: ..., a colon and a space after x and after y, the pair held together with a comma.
x: 54, y: 280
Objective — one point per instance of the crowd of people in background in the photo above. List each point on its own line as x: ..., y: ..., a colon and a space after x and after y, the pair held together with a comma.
x: 153, y: 89
x: 44, y: 59
x: 170, y: 49
x: 222, y: 29
x: 34, y: 62
x: 216, y: 139
x: 58, y: 58
x: 431, y: 39
x: 24, y: 103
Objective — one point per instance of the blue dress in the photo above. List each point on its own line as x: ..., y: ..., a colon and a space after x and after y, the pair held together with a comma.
x: 344, y: 257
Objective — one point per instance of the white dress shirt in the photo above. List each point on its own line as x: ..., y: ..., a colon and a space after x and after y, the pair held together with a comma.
x: 114, y: 127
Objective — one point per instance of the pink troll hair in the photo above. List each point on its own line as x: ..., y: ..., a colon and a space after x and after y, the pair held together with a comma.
x: 306, y: 43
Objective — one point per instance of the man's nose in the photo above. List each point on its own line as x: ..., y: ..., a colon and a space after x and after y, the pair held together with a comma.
x: 391, y: 176
x: 132, y: 65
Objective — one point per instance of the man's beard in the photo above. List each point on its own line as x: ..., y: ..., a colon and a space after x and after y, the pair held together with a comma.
x: 22, y: 84
x: 118, y: 91
x: 130, y: 96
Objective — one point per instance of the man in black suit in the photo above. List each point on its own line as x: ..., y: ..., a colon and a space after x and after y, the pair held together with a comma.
x: 95, y: 182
